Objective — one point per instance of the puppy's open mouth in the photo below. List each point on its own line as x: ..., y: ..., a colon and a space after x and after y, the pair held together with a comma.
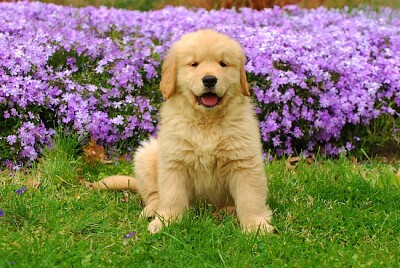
x: 209, y: 99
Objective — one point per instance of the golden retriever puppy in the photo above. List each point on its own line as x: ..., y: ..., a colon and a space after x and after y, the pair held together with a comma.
x: 208, y: 147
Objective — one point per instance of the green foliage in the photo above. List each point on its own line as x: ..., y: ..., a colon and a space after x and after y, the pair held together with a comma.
x: 59, y: 164
x: 7, y: 127
x: 381, y: 137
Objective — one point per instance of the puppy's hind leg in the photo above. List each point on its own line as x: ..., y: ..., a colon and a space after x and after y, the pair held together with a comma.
x: 146, y: 171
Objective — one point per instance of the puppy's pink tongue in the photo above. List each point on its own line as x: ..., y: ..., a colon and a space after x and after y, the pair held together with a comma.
x: 209, y: 100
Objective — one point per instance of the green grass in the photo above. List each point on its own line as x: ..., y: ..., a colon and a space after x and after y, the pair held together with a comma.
x: 330, y: 213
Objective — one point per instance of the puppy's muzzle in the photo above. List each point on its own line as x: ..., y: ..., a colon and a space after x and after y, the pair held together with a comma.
x: 209, y: 81
x: 209, y: 98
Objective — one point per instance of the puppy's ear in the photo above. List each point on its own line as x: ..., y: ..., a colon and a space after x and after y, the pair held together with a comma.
x: 168, y: 75
x: 243, y: 81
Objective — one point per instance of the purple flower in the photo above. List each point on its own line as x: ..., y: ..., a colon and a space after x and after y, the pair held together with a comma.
x: 95, y: 71
x: 1, y: 212
x: 20, y: 191
x: 131, y: 234
x: 276, y: 141
x: 11, y: 139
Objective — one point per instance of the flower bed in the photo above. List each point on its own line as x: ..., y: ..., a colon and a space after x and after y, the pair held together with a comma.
x: 319, y: 77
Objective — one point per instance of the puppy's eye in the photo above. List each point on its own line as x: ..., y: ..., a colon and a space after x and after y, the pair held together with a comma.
x: 223, y: 64
x: 194, y: 64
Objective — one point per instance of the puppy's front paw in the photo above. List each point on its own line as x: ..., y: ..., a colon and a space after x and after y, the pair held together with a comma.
x: 155, y: 226
x: 258, y: 224
x: 148, y: 212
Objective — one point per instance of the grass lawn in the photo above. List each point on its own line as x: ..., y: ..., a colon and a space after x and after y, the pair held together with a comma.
x: 330, y: 213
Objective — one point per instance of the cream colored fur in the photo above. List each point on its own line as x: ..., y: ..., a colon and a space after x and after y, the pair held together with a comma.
x: 204, y: 154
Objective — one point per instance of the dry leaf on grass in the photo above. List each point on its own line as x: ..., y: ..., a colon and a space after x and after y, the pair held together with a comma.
x: 94, y: 153
x: 311, y: 159
x: 125, y: 198
x: 31, y: 183
x: 221, y: 211
x: 292, y: 162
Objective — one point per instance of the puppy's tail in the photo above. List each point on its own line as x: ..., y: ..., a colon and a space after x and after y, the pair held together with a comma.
x: 116, y: 182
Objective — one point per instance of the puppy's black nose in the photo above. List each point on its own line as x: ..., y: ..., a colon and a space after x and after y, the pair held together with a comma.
x: 209, y: 81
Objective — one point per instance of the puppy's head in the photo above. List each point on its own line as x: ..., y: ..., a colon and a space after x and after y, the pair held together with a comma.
x: 207, y: 68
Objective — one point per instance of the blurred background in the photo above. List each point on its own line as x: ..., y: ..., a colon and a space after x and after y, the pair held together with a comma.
x: 211, y: 4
